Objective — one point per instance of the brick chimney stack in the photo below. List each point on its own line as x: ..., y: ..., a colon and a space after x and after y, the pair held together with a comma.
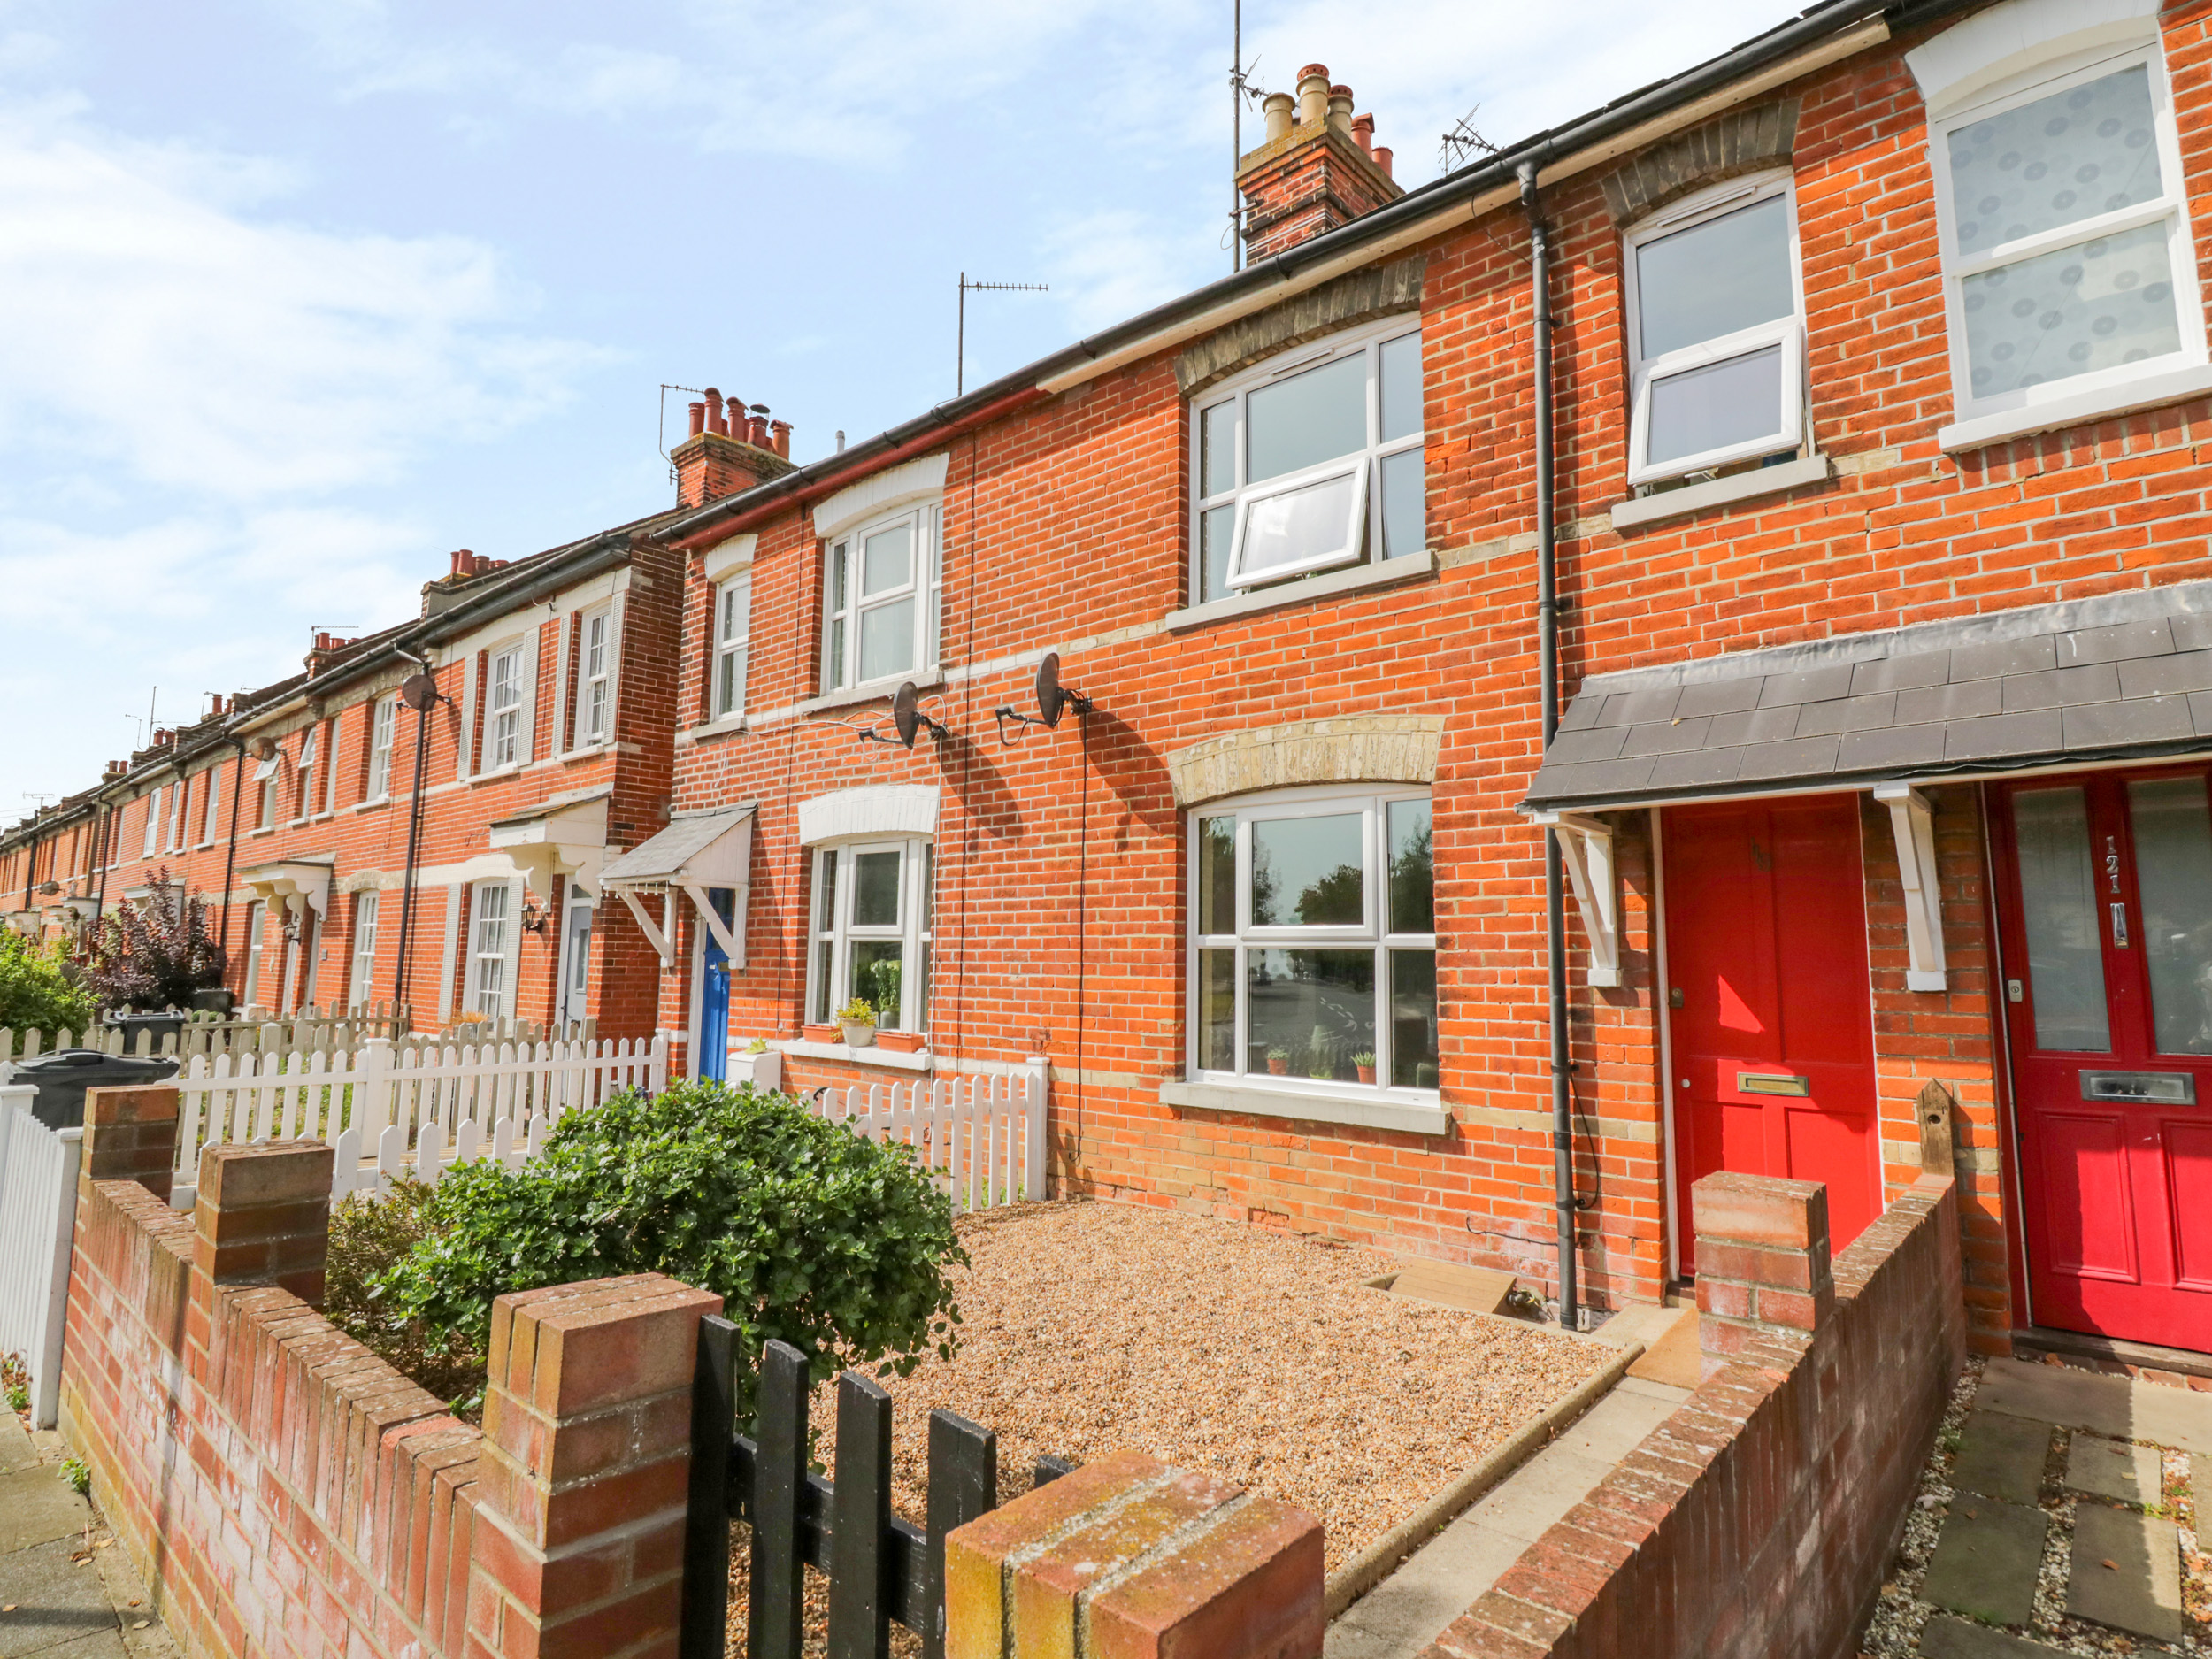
x: 731, y: 448
x: 1317, y: 168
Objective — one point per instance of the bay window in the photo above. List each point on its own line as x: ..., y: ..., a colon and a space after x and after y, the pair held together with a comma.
x: 1311, y: 461
x: 1313, y: 941
x: 2069, y: 267
x: 1716, y: 332
x: 872, y: 923
x: 880, y: 599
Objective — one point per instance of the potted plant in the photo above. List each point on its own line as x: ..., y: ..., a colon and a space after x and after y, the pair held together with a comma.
x: 821, y: 1034
x: 902, y: 1042
x: 1363, y: 1063
x: 857, y: 1020
x: 1279, y: 1061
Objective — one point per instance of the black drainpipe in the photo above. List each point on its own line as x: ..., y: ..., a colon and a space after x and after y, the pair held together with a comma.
x: 414, y: 836
x: 1548, y: 698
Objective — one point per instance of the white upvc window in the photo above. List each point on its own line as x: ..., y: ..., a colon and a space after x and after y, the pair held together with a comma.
x: 332, y: 730
x: 153, y: 825
x: 488, y: 951
x: 503, y: 709
x: 872, y: 926
x: 214, y: 800
x: 1313, y: 943
x: 266, y: 775
x: 178, y: 792
x: 880, y: 601
x: 2068, y: 263
x: 595, y: 678
x: 733, y: 636
x: 1310, y: 461
x: 383, y: 728
x: 304, y: 784
x: 363, y: 990
x: 1716, y: 331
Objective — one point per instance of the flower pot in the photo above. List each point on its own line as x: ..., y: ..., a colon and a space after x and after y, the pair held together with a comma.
x: 902, y: 1042
x: 1277, y: 1068
x: 1366, y: 1073
x: 857, y: 1035
x: 820, y: 1033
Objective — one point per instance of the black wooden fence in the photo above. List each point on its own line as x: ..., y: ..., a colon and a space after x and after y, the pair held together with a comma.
x: 880, y: 1568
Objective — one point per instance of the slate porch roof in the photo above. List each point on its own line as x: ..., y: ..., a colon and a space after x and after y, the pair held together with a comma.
x: 2121, y: 676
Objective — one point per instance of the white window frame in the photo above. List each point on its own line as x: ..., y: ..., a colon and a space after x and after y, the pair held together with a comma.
x: 490, y: 924
x: 365, y: 906
x: 180, y: 792
x: 2057, y: 74
x: 733, y: 649
x: 503, y: 720
x: 208, y: 821
x: 383, y: 733
x: 1373, y: 932
x: 303, y: 782
x: 915, y: 931
x: 1787, y: 334
x: 924, y: 585
x: 595, y: 687
x: 333, y: 731
x: 256, y: 925
x: 1364, y: 529
x: 153, y: 825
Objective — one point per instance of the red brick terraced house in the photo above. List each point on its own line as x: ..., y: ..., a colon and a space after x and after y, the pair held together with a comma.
x: 1637, y: 657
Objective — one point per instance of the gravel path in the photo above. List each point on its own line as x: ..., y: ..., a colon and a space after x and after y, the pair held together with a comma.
x: 1216, y: 1346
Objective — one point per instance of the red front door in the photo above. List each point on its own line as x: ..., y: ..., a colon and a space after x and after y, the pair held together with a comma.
x: 1768, y: 1018
x: 2107, y: 881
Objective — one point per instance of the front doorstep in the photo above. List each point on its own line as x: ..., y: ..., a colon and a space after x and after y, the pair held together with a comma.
x: 2041, y: 1339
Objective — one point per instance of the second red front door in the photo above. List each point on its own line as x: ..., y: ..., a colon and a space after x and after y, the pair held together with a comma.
x: 1770, y: 1024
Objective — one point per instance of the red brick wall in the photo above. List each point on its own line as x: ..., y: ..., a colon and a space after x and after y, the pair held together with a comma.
x: 1760, y: 1518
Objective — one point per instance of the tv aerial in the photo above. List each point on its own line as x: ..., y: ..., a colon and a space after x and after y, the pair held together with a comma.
x: 907, y: 720
x: 1052, y: 700
x: 1463, y: 144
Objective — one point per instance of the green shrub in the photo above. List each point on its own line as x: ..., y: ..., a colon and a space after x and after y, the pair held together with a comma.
x: 369, y: 1233
x: 812, y: 1234
x: 37, y: 988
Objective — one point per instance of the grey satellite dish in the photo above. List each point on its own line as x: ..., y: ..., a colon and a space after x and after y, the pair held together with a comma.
x: 906, y: 714
x: 1051, y: 701
x: 418, y: 692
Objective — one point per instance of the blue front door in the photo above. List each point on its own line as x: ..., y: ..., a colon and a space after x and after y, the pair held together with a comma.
x: 714, y: 991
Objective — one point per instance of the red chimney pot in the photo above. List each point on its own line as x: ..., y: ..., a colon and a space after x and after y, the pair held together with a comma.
x: 698, y: 418
x: 1364, y: 132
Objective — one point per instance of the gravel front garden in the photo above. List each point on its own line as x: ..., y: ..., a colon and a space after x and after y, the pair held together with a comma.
x: 1215, y: 1346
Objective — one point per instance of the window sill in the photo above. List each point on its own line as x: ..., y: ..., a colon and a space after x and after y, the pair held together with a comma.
x: 1721, y: 492
x: 1370, y: 1111
x: 585, y: 751
x: 371, y: 803
x: 492, y: 773
x: 266, y: 829
x: 725, y: 724
x: 850, y: 1055
x: 2173, y: 386
x: 1411, y: 567
x: 869, y: 691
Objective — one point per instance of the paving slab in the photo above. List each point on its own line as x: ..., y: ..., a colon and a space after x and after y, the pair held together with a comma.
x: 2117, y: 1407
x: 1409, y: 1609
x: 2112, y: 1468
x: 1673, y: 1356
x: 2001, y: 1456
x: 1986, y: 1561
x: 16, y: 1453
x: 1615, y: 1426
x: 1541, y: 1491
x: 1954, y: 1639
x: 57, y: 1601
x: 2127, y: 1571
x: 36, y: 1506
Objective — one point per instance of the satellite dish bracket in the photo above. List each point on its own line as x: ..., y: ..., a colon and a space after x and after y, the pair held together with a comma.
x: 907, y: 721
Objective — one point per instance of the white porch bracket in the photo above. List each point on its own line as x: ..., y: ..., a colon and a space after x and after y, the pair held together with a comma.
x: 658, y: 939
x: 1912, y: 823
x: 732, y: 948
x: 1585, y: 847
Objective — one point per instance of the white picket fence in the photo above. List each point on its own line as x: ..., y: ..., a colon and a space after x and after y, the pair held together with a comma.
x: 389, y: 1108
x: 983, y: 1138
x: 38, y: 1213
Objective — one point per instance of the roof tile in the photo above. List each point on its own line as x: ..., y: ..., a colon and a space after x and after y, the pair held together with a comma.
x: 2160, y: 676
x: 2111, y: 645
x: 1800, y: 757
x: 1634, y: 708
x: 2034, y: 732
x: 1721, y: 696
x: 1812, y: 685
x: 1698, y: 768
x: 1666, y: 737
x: 1894, y: 673
x: 1601, y: 743
x: 2098, y: 682
x: 2121, y: 725
x: 1897, y: 746
x: 1847, y: 714
x: 1949, y: 702
x: 1759, y: 725
x: 2004, y: 657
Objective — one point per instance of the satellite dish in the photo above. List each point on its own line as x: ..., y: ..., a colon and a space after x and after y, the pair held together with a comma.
x: 418, y: 692
x: 1051, y: 701
x: 906, y: 714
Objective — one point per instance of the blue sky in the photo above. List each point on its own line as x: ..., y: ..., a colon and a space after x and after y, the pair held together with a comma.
x: 296, y: 295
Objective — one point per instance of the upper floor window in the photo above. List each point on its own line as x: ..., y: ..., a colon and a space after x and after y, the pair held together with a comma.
x: 733, y: 633
x: 214, y: 798
x: 2066, y: 243
x: 503, y: 727
x: 1313, y: 940
x: 879, y: 601
x: 179, y: 793
x: 153, y: 823
x: 1716, y: 332
x: 304, y: 798
x: 1311, y: 461
x: 594, y: 679
x: 873, y: 927
x: 266, y: 775
x: 383, y: 725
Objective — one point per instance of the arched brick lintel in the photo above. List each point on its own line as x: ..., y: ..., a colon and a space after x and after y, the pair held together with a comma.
x: 1345, y: 748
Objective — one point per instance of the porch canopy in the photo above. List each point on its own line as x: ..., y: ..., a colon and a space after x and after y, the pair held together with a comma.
x: 565, y: 835
x: 2123, y: 677
x: 698, y: 850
